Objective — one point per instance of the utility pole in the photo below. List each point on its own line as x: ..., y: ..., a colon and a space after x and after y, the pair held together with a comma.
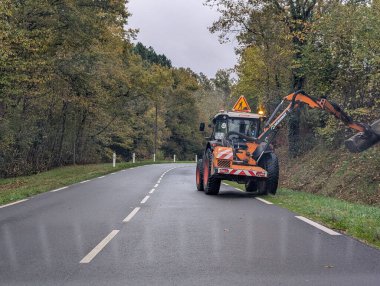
x: 155, y: 130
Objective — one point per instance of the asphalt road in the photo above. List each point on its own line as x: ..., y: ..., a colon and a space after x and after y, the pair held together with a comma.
x: 108, y: 232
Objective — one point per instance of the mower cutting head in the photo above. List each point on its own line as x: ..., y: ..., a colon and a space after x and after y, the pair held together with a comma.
x: 363, y: 140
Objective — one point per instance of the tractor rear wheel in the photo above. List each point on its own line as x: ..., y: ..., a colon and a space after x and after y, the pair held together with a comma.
x: 269, y: 162
x: 211, y: 184
x: 199, y: 175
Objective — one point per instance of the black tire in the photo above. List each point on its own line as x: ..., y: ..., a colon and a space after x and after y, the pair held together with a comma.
x: 269, y: 162
x: 199, y: 175
x: 251, y: 185
x: 211, y: 184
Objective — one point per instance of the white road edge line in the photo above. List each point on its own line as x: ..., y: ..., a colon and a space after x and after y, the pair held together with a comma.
x: 90, y: 256
x: 317, y: 225
x: 156, y: 185
x: 56, y: 190
x: 84, y: 182
x: 264, y: 201
x: 225, y: 184
x: 239, y: 190
x: 145, y: 199
x: 14, y: 203
x: 131, y: 215
x: 151, y: 191
x: 101, y: 177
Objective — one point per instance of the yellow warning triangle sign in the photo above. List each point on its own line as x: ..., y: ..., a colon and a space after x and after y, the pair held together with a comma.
x: 241, y: 105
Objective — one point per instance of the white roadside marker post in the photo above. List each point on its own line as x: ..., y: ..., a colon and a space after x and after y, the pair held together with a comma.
x: 114, y: 160
x: 174, y: 159
x: 133, y: 158
x: 196, y: 158
x: 154, y: 157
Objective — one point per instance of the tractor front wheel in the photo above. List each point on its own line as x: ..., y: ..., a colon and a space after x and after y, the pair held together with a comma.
x: 211, y: 184
x: 251, y: 185
x: 269, y: 162
x: 199, y: 175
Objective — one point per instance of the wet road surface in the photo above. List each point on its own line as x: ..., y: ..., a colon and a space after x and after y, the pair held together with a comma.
x: 149, y: 226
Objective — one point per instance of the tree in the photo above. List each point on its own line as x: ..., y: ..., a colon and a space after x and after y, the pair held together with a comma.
x: 257, y: 23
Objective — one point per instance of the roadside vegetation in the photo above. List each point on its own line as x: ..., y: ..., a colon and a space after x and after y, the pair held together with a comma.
x: 339, y: 174
x: 14, y: 189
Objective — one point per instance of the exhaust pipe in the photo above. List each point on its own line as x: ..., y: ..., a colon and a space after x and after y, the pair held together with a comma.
x: 363, y: 140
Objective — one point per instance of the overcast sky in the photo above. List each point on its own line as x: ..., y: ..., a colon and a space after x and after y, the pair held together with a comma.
x: 178, y: 29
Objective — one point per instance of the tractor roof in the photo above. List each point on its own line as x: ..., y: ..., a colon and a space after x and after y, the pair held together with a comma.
x: 232, y: 114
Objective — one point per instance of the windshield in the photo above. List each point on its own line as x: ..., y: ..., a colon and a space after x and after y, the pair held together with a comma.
x: 248, y: 127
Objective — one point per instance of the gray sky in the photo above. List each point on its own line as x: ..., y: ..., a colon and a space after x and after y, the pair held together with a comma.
x: 178, y: 29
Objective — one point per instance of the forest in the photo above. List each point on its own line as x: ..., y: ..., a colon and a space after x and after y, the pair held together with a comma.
x: 76, y: 87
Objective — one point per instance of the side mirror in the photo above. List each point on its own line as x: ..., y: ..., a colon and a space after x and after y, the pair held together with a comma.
x: 202, y: 127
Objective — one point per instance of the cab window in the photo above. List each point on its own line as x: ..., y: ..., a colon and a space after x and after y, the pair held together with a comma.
x: 220, y: 129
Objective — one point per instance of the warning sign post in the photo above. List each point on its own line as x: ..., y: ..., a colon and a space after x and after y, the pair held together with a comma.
x: 241, y: 105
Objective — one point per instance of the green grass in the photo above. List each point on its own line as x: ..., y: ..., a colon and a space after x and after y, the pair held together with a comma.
x: 357, y: 220
x: 18, y: 188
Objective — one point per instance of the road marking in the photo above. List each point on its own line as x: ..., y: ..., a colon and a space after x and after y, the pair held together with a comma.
x: 239, y: 190
x: 56, y: 190
x: 145, y: 199
x: 84, y: 181
x: 151, y: 191
x: 225, y: 184
x: 317, y: 225
x: 101, y: 177
x: 159, y: 181
x: 156, y: 185
x: 112, y: 173
x: 131, y: 215
x: 99, y: 247
x: 264, y: 201
x: 14, y: 203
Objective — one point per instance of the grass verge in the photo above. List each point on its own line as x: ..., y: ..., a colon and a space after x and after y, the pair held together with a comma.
x: 357, y: 220
x: 14, y: 189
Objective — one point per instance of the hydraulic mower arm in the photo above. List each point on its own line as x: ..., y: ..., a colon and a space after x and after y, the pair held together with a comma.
x: 367, y: 136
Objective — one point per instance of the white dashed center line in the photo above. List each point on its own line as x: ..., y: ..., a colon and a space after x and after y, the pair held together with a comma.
x: 151, y: 191
x: 145, y: 199
x: 131, y: 215
x: 156, y: 185
x: 317, y: 225
x: 99, y: 247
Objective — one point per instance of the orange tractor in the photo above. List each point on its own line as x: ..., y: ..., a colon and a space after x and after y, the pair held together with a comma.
x: 240, y: 149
